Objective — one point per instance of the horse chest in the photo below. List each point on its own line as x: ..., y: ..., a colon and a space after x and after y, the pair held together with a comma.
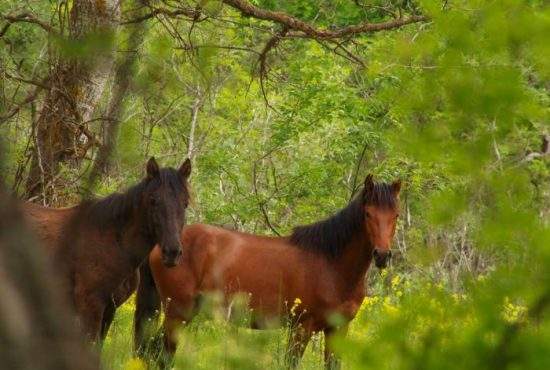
x: 344, y: 301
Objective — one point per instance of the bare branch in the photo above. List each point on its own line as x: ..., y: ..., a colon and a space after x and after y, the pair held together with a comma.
x: 29, y: 98
x: 345, y: 53
x: 261, y: 203
x: 194, y: 14
x: 271, y: 43
x: 41, y: 84
x: 305, y: 29
x: 27, y: 18
x: 214, y: 46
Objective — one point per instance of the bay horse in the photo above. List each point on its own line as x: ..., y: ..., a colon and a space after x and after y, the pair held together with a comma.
x: 99, y: 244
x: 321, y: 266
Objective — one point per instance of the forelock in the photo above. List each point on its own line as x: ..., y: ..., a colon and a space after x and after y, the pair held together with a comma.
x: 380, y: 195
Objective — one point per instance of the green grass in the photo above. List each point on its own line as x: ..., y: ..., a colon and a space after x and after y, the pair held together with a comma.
x: 395, y: 328
x: 209, y: 342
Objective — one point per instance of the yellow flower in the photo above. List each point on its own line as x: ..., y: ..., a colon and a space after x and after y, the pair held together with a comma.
x: 395, y: 281
x: 513, y: 313
x: 297, y: 302
x: 135, y: 364
x: 390, y: 308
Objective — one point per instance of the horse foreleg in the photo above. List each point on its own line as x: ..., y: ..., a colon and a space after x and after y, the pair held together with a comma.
x: 107, y: 320
x: 331, y: 361
x: 171, y: 326
x: 172, y: 323
x: 298, y: 338
x: 146, y: 315
x: 90, y: 310
x: 177, y: 315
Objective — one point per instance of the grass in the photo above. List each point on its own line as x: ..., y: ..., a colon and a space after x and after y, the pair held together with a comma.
x: 399, y: 317
x: 209, y: 342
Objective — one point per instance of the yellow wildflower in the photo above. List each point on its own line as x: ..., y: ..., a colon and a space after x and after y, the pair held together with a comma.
x: 389, y: 307
x: 135, y: 364
x: 297, y: 302
x: 395, y: 281
x: 513, y: 313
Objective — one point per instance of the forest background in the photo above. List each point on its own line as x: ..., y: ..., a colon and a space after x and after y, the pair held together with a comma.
x: 284, y: 107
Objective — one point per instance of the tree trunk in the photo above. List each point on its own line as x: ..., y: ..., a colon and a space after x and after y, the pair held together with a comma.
x: 124, y: 72
x: 195, y: 108
x: 76, y: 84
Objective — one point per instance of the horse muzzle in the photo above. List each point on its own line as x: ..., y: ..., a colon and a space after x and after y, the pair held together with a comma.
x: 381, y: 257
x: 171, y: 257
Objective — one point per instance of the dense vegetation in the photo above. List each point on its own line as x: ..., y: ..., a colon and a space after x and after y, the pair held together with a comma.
x: 282, y: 126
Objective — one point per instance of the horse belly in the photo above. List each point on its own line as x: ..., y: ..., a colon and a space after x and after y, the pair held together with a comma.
x: 268, y: 294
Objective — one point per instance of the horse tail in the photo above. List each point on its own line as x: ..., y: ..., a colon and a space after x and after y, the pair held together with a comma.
x: 147, y: 335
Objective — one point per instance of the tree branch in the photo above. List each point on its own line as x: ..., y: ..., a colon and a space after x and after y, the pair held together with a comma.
x: 305, y: 29
x: 41, y: 84
x: 261, y: 203
x: 271, y: 43
x: 193, y: 14
x: 29, y: 98
x: 27, y: 18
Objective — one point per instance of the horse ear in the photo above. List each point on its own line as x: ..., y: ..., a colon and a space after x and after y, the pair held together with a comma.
x: 396, y: 187
x: 369, y: 183
x: 153, y: 170
x: 185, y: 169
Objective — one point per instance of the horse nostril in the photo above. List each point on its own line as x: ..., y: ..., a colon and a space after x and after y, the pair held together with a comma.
x: 172, y: 253
x: 390, y: 254
x: 375, y: 253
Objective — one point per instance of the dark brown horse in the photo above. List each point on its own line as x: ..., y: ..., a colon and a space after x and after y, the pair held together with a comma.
x: 99, y: 244
x: 321, y: 267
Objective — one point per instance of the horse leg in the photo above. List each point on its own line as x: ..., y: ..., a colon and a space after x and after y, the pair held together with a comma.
x: 331, y: 361
x: 177, y: 315
x: 90, y: 310
x: 119, y: 296
x: 146, y: 315
x: 171, y: 325
x: 108, y: 316
x: 178, y: 312
x: 298, y: 338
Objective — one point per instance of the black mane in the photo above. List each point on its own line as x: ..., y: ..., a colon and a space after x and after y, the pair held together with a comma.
x: 332, y: 235
x: 115, y: 210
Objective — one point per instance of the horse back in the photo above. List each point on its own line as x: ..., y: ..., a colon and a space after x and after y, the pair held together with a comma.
x: 47, y: 223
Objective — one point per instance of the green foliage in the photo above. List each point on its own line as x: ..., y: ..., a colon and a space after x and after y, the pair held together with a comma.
x: 453, y: 107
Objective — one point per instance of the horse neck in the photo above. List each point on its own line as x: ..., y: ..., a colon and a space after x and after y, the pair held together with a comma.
x: 134, y: 238
x: 355, y: 260
x: 129, y: 235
